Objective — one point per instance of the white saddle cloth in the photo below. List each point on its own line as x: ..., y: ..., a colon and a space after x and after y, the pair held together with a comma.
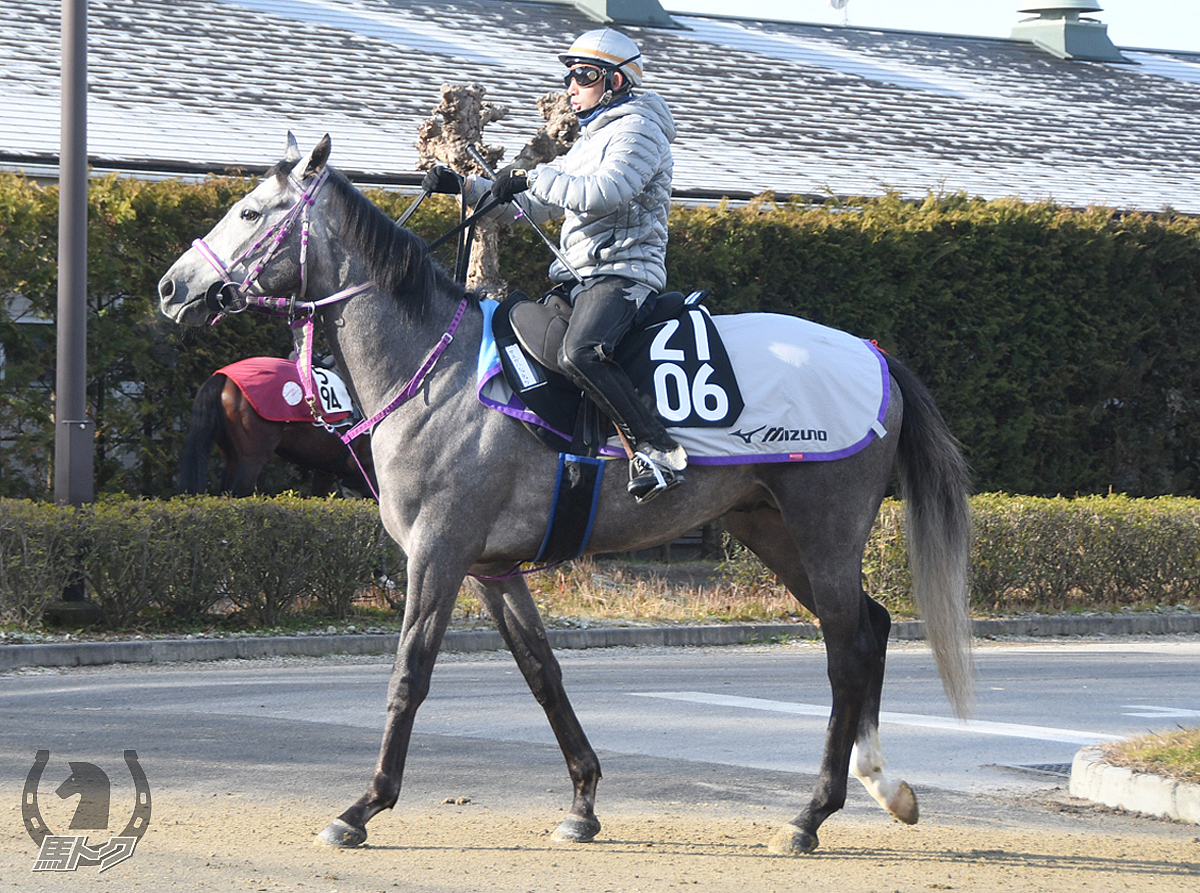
x: 811, y: 393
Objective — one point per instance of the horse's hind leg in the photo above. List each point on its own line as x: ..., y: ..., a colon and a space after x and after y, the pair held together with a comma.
x: 867, y: 762
x: 241, y: 475
x: 515, y: 613
x: 855, y: 628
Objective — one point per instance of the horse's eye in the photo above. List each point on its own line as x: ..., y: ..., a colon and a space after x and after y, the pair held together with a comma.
x: 250, y: 214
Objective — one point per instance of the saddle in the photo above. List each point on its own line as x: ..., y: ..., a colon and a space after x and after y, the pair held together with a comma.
x: 672, y: 345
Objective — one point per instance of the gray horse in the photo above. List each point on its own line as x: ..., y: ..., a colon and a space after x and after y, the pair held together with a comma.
x: 466, y: 491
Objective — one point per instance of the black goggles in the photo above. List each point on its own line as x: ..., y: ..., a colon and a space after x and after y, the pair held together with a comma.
x: 584, y: 76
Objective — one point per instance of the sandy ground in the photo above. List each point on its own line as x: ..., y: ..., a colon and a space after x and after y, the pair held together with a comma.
x: 214, y: 829
x: 227, y: 842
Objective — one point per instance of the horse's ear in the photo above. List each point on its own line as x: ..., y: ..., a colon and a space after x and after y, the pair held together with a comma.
x: 320, y: 155
x: 292, y: 155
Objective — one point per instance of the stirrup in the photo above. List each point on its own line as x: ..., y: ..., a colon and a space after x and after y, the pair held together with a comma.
x: 648, y: 478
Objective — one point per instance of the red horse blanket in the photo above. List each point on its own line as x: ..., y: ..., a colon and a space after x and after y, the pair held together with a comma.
x: 273, y: 388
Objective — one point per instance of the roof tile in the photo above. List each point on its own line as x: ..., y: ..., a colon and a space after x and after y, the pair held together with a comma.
x: 793, y: 107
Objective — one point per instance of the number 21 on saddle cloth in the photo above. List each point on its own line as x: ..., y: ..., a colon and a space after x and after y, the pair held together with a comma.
x: 751, y: 387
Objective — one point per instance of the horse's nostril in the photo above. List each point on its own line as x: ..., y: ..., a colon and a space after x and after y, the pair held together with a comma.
x: 166, y: 289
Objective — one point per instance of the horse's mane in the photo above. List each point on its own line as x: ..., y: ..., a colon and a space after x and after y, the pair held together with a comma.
x: 398, y: 261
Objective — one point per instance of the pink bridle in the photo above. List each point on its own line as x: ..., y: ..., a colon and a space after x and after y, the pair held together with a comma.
x: 301, y: 313
x: 242, y: 298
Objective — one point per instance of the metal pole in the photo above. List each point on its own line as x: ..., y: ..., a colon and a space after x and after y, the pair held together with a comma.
x: 74, y: 446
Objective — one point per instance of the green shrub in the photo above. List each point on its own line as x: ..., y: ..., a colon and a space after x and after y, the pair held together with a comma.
x: 349, y: 547
x: 38, y: 557
x: 120, y: 548
x: 1092, y: 553
x: 1063, y: 346
x: 180, y: 559
x: 269, y: 557
x: 1029, y: 554
x: 196, y: 541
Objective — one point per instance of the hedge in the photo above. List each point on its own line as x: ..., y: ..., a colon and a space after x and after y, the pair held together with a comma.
x: 140, y: 559
x: 1062, y: 345
x: 267, y: 557
x: 1051, y: 555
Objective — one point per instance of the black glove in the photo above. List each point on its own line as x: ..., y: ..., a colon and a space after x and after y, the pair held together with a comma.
x: 508, y: 183
x: 440, y: 178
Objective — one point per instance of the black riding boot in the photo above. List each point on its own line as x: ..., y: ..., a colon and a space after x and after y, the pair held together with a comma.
x: 604, y: 311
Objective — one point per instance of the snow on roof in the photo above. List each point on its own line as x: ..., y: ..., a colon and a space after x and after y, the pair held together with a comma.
x: 799, y: 109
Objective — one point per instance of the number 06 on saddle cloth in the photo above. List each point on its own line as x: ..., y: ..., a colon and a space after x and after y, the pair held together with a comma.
x: 809, y: 393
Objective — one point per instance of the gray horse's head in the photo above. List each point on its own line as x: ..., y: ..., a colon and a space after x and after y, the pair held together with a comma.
x: 255, y: 253
x: 207, y: 276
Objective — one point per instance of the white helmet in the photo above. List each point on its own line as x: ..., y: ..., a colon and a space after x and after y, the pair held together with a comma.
x: 610, y: 50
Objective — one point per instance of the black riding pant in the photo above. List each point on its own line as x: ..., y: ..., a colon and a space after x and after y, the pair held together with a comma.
x: 605, y: 307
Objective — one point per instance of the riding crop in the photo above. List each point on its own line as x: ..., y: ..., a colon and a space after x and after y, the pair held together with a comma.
x: 491, y: 172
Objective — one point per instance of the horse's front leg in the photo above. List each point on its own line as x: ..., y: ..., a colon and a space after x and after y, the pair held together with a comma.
x: 516, y: 615
x: 427, y: 610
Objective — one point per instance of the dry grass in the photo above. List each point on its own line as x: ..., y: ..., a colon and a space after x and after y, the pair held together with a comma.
x: 1174, y: 754
x: 619, y: 593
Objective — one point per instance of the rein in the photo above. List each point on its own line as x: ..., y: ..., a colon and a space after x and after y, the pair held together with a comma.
x: 233, y: 297
x: 301, y: 314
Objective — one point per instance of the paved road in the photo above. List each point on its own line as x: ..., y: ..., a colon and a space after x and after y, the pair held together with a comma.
x: 248, y: 759
x: 758, y: 708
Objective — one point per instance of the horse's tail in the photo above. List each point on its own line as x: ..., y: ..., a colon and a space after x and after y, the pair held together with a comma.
x: 207, y: 418
x: 934, y: 483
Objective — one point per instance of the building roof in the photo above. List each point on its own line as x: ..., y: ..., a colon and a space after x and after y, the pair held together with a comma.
x: 186, y: 86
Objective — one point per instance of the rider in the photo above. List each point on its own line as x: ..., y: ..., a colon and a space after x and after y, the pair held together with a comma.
x: 613, y: 189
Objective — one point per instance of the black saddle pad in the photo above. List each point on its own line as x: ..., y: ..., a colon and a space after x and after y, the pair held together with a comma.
x: 674, y: 357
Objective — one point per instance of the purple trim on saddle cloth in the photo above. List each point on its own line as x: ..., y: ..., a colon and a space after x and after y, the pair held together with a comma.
x: 871, y: 397
x: 493, y: 391
x: 873, y: 433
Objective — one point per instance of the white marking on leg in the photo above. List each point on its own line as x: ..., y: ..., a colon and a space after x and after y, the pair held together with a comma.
x: 867, y: 764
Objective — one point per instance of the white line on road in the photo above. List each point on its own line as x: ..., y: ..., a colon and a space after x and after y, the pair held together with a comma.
x: 1154, y: 711
x: 981, y: 727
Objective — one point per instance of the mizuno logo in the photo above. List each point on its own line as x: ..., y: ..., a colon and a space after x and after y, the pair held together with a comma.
x: 775, y: 434
x: 746, y: 436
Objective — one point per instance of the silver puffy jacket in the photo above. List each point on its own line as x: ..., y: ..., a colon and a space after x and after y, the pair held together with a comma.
x: 613, y: 189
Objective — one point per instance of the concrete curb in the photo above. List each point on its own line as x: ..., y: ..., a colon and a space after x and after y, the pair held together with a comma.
x: 1101, y: 782
x: 84, y: 654
x: 81, y: 654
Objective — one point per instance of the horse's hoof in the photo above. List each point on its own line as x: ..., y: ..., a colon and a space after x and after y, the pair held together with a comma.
x: 577, y: 830
x: 792, y: 841
x: 343, y: 834
x: 903, y: 805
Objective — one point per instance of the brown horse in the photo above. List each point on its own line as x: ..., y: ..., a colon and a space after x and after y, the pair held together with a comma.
x: 223, y: 415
